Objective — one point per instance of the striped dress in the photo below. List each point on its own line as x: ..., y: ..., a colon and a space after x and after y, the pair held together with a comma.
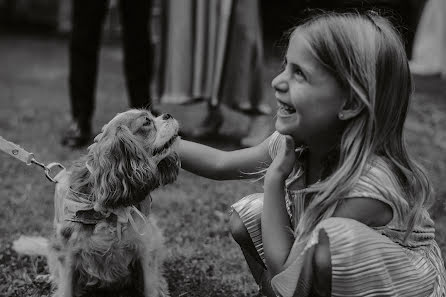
x: 366, y: 261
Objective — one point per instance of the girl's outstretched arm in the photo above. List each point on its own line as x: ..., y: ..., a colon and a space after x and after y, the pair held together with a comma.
x: 222, y: 165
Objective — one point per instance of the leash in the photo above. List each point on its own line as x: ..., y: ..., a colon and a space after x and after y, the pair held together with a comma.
x: 28, y: 158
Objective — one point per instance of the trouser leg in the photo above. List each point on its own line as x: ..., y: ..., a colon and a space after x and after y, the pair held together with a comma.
x: 135, y: 17
x: 87, y: 20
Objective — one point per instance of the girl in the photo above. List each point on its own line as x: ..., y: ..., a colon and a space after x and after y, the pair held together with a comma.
x: 344, y: 209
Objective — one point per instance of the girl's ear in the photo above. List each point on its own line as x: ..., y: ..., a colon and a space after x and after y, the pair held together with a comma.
x: 350, y: 109
x: 123, y: 173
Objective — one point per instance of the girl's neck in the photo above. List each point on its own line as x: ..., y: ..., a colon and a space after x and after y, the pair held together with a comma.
x: 320, y: 162
x: 313, y: 170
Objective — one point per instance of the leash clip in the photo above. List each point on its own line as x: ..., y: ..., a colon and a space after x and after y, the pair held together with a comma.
x: 48, y: 168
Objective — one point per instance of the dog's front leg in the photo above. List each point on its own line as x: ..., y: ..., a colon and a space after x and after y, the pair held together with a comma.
x: 65, y: 284
x: 155, y: 285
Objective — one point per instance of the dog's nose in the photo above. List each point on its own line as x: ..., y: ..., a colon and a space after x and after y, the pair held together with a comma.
x: 166, y: 116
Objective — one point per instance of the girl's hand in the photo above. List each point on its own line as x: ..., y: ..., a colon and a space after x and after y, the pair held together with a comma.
x: 284, y: 161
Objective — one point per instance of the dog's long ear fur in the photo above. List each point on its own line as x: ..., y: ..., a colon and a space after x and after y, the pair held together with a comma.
x: 169, y: 168
x: 122, y: 171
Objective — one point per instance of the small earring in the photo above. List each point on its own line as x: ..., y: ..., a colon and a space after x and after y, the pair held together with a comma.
x: 341, y: 116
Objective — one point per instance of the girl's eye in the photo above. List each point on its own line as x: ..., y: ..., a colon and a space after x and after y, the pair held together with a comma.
x: 299, y: 76
x: 297, y: 71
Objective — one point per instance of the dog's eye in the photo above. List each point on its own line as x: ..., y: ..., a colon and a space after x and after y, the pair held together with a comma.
x: 147, y: 122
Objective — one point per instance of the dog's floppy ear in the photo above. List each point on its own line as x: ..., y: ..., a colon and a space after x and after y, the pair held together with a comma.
x: 122, y: 171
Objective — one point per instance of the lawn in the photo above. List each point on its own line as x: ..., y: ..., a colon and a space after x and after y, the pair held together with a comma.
x: 193, y: 213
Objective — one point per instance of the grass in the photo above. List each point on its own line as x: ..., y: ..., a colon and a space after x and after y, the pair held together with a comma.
x: 203, y: 259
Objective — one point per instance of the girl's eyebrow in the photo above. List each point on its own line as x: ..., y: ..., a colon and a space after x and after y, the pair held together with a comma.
x: 298, y: 66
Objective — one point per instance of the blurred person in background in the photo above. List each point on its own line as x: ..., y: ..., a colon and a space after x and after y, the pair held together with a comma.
x: 429, y: 48
x: 214, y: 52
x: 87, y: 22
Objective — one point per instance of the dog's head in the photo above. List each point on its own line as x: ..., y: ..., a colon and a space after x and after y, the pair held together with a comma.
x: 134, y: 154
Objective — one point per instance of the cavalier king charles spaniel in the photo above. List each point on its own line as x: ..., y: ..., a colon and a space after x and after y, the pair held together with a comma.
x: 106, y: 241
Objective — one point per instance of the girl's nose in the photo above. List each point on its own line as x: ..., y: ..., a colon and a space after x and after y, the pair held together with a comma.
x: 280, y: 84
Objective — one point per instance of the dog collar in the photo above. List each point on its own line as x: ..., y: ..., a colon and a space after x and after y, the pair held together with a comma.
x: 82, y: 211
x: 79, y: 208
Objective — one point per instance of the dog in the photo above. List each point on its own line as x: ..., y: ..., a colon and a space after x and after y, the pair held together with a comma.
x: 106, y: 241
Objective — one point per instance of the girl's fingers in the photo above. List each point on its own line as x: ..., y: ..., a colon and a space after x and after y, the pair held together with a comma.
x: 285, y: 159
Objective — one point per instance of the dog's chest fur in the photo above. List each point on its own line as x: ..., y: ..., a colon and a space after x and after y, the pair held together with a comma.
x: 132, y: 286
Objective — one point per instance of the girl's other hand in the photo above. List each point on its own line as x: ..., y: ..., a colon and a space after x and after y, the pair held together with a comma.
x: 283, y: 163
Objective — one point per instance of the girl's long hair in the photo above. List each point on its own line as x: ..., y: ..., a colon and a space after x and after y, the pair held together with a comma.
x: 367, y: 57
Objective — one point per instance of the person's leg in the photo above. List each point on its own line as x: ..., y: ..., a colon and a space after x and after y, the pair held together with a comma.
x: 87, y: 20
x: 252, y: 257
x: 210, y: 125
x: 135, y: 17
x: 260, y: 128
x: 241, y: 236
x: 352, y: 257
x: 321, y: 262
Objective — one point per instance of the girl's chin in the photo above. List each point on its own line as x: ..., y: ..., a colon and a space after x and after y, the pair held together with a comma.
x: 285, y: 128
x: 287, y: 120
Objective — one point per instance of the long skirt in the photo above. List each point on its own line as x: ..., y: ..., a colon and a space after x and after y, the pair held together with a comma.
x: 213, y: 51
x: 429, y: 48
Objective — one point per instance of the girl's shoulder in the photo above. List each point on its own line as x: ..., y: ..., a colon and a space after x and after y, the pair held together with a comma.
x: 378, y: 181
x: 378, y: 178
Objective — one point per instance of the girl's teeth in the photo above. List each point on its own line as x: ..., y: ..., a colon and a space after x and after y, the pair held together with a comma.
x: 286, y: 109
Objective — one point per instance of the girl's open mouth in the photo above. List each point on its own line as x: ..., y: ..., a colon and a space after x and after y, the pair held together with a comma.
x: 284, y: 109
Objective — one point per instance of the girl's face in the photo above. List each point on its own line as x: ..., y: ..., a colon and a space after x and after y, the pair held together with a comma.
x: 309, y: 98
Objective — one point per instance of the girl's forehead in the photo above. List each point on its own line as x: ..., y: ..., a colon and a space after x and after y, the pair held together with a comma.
x: 298, y: 42
x: 299, y: 52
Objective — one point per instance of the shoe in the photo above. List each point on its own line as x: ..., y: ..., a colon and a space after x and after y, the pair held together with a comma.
x: 210, y: 125
x: 77, y: 135
x: 261, y: 127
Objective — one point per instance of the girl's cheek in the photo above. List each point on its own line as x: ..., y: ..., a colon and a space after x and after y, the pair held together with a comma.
x: 297, y: 95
